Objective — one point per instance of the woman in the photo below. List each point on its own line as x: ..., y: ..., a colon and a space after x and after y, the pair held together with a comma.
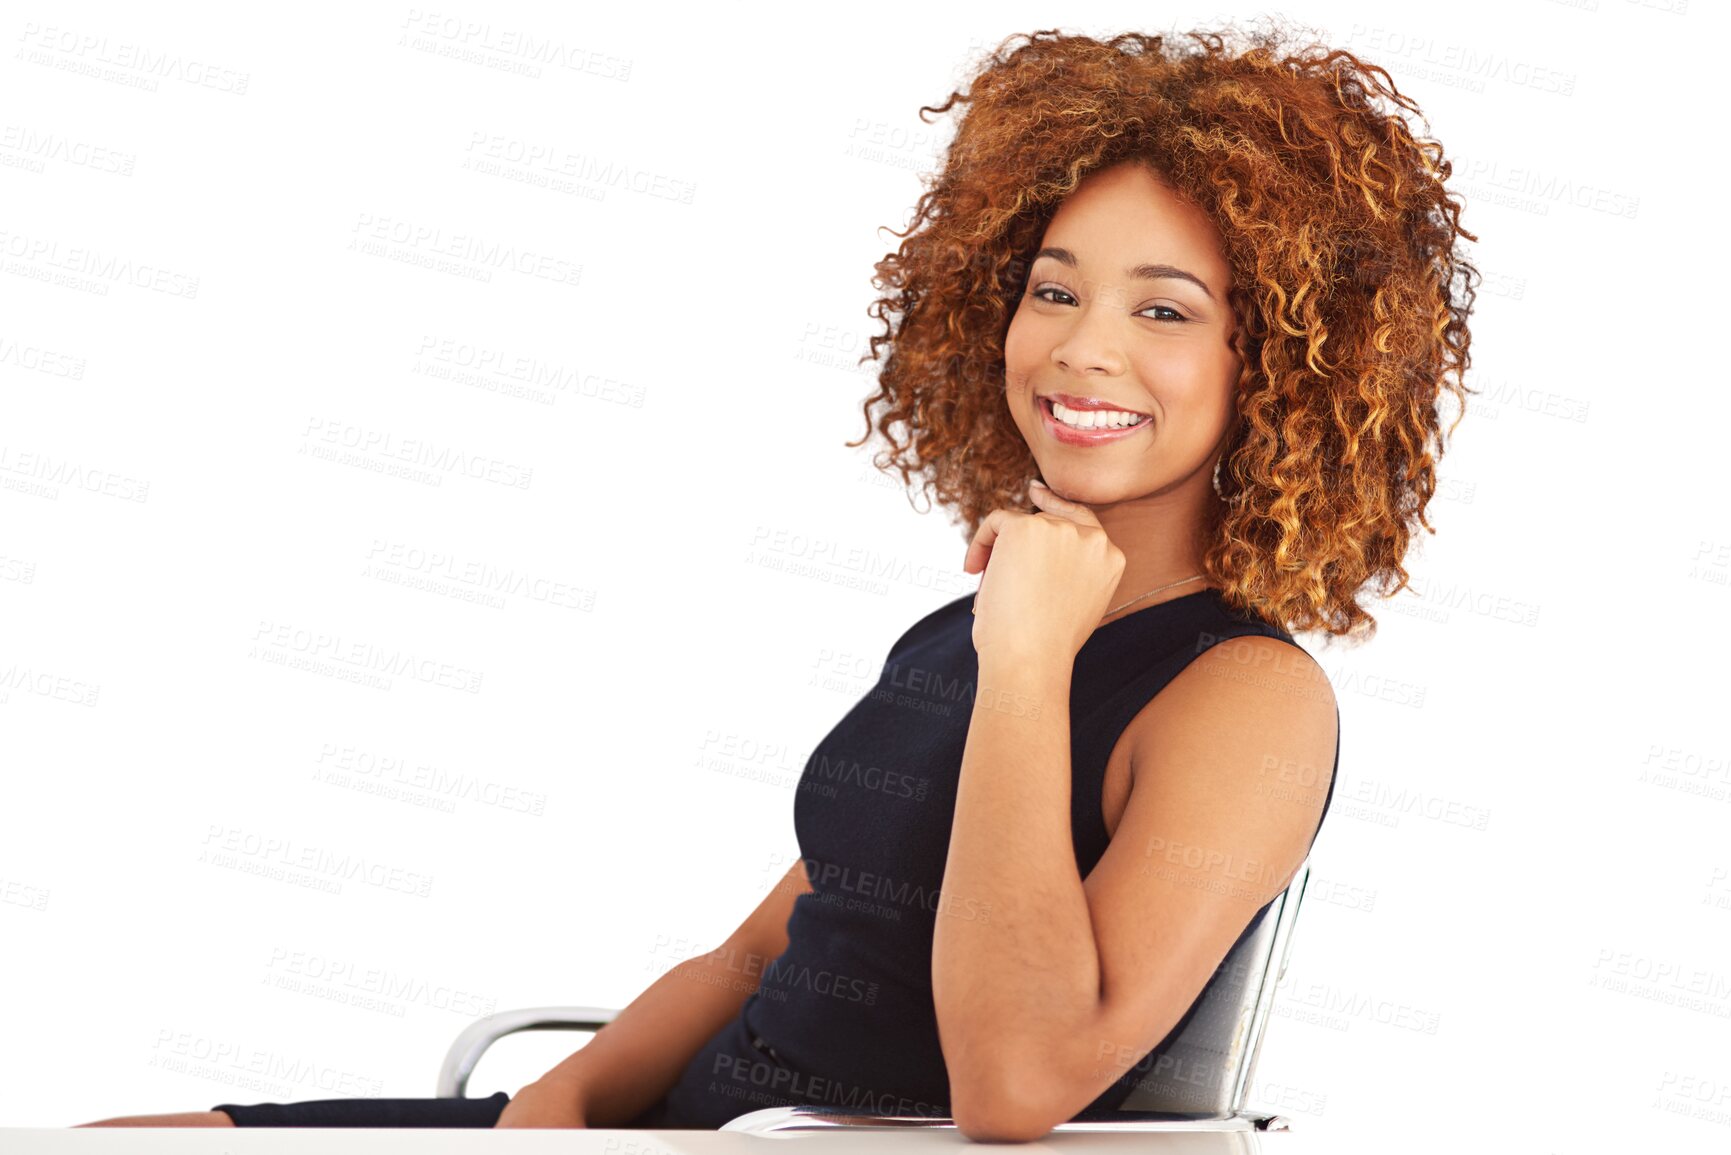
x: 1169, y: 333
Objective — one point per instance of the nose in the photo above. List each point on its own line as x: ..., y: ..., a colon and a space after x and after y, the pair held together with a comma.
x: 1090, y: 345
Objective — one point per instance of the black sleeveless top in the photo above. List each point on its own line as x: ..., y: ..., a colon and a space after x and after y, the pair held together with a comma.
x: 845, y: 1015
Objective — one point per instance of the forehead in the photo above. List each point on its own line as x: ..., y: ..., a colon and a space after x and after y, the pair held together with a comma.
x: 1125, y: 215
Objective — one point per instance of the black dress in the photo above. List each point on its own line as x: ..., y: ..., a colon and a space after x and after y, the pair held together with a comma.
x: 845, y: 1015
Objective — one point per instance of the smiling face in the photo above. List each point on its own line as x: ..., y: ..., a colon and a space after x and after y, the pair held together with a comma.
x: 1125, y: 307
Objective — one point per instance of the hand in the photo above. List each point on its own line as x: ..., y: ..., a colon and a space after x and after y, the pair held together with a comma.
x: 1047, y: 576
x: 544, y: 1104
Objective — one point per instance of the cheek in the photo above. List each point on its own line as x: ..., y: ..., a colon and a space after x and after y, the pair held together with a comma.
x: 1018, y: 346
x: 1021, y: 361
x: 1195, y: 381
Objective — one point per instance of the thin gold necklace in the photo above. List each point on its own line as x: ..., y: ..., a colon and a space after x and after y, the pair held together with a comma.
x: 1152, y: 592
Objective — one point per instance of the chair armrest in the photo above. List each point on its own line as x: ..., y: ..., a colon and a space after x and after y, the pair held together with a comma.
x: 473, y: 1041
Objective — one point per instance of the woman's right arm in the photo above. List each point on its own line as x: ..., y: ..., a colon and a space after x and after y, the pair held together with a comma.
x: 634, y: 1060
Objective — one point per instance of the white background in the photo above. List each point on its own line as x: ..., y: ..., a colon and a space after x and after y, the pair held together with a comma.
x: 1526, y: 849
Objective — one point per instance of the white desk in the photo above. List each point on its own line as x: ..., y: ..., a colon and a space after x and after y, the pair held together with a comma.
x: 470, y: 1140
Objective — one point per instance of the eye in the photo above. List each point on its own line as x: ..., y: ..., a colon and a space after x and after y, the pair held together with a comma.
x: 1040, y: 293
x: 1176, y: 318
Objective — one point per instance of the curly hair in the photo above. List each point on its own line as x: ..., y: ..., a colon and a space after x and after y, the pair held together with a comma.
x: 1349, y: 298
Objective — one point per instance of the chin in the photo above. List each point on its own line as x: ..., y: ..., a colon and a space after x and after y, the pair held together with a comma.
x: 1086, y: 494
x: 1098, y: 492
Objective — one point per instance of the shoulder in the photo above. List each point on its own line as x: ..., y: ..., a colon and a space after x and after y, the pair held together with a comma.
x: 1258, y: 668
x: 1254, y: 689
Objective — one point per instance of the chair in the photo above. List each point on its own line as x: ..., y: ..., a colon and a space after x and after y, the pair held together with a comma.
x: 1220, y: 1037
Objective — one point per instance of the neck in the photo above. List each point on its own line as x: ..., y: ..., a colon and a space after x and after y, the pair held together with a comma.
x: 1160, y: 535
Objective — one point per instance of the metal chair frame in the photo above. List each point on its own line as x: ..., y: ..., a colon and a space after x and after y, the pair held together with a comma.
x: 1226, y: 1025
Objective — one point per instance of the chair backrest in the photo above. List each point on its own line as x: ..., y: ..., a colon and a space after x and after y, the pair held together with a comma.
x: 1207, y: 1066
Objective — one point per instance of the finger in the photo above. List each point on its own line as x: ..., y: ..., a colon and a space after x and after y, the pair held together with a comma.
x: 1049, y: 502
x: 980, y: 548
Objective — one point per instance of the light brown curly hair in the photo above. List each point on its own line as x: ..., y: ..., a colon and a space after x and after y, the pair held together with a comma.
x: 1349, y: 297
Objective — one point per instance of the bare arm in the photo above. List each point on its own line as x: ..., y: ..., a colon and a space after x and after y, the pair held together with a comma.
x: 634, y: 1060
x: 1042, y: 1007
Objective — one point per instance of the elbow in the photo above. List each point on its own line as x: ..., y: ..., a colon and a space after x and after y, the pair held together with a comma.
x: 990, y: 1132
x: 1000, y: 1110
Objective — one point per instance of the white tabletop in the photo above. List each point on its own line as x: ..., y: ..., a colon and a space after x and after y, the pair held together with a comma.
x: 463, y: 1140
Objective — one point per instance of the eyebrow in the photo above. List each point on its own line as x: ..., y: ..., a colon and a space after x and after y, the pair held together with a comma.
x: 1145, y: 272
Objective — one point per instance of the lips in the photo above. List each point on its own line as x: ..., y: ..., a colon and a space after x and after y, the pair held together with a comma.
x: 1071, y: 401
x: 1070, y: 435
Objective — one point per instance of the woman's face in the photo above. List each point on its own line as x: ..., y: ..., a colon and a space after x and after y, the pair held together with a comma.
x: 1111, y: 315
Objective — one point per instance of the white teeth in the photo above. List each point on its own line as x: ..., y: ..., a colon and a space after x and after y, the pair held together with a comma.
x: 1095, y: 418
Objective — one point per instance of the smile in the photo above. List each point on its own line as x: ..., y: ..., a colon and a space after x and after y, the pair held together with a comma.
x: 1075, y: 435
